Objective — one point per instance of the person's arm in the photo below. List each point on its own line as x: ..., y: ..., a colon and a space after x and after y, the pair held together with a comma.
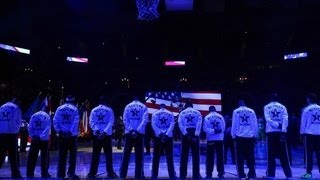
x: 75, y: 124
x: 92, y: 122
x: 56, y: 121
x: 17, y: 122
x: 234, y: 125
x: 46, y: 131
x: 171, y: 127
x: 30, y: 127
x: 285, y: 120
x: 154, y: 118
x: 303, y: 122
x: 126, y: 121
x: 111, y: 122
x: 181, y: 124
x: 199, y: 124
x: 144, y: 120
x: 255, y: 124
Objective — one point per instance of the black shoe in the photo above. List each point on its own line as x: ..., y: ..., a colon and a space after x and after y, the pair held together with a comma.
x: 74, y: 176
x: 45, y: 176
x: 220, y: 176
x: 197, y: 177
x: 208, y: 177
x: 112, y: 175
x: 91, y: 176
x: 16, y: 176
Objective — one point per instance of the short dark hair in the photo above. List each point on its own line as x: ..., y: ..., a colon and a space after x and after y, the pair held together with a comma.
x: 188, y: 104
x: 312, y: 97
x: 241, y: 102
x: 162, y: 105
x: 212, y: 108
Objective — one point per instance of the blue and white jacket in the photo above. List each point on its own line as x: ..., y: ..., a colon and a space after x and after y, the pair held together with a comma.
x: 135, y: 117
x: 162, y: 122
x: 212, y: 122
x: 66, y: 119
x: 10, y: 118
x: 40, y: 125
x: 101, y: 119
x: 190, y: 118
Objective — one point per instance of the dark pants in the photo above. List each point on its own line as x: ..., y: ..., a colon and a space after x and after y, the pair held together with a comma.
x: 67, y: 145
x: 24, y: 135
x: 33, y: 156
x: 106, y: 144
x: 119, y: 142
x: 137, y: 143
x: 312, y: 145
x: 159, y: 147
x: 229, y: 145
x: 277, y: 147
x: 214, y: 147
x: 193, y: 144
x: 9, y: 142
x: 245, y: 151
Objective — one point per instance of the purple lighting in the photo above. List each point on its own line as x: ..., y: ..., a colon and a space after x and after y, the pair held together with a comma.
x: 295, y: 56
x: 175, y: 63
x: 77, y: 59
x: 179, y: 5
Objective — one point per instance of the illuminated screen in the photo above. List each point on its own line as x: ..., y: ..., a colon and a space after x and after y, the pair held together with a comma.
x: 175, y: 63
x: 175, y: 100
x: 15, y: 49
x: 295, y: 56
x: 179, y: 5
x: 77, y: 59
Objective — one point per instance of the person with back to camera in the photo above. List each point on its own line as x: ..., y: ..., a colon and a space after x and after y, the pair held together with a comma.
x: 276, y: 116
x: 39, y: 131
x: 101, y: 122
x: 214, y: 125
x: 163, y: 124
x: 10, y: 122
x: 310, y: 129
x: 66, y: 124
x: 135, y: 117
x: 244, y: 131
x: 190, y: 121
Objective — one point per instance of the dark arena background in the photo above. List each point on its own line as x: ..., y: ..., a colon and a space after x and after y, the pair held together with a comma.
x: 239, y: 48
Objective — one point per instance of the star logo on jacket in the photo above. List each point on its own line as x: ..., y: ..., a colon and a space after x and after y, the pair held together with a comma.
x: 5, y: 115
x: 316, y: 117
x: 38, y: 123
x: 275, y: 113
x: 66, y: 117
x: 244, y: 118
x: 163, y: 120
x: 190, y: 119
x: 100, y: 117
x: 215, y: 124
x: 134, y: 112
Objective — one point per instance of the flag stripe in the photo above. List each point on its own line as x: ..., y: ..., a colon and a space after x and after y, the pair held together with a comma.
x: 202, y: 101
x: 201, y: 96
x: 199, y: 107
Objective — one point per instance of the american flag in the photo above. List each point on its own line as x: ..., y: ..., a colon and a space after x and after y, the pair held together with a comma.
x: 175, y: 101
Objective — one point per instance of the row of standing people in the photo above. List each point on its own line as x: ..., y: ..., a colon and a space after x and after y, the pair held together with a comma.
x: 244, y: 132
